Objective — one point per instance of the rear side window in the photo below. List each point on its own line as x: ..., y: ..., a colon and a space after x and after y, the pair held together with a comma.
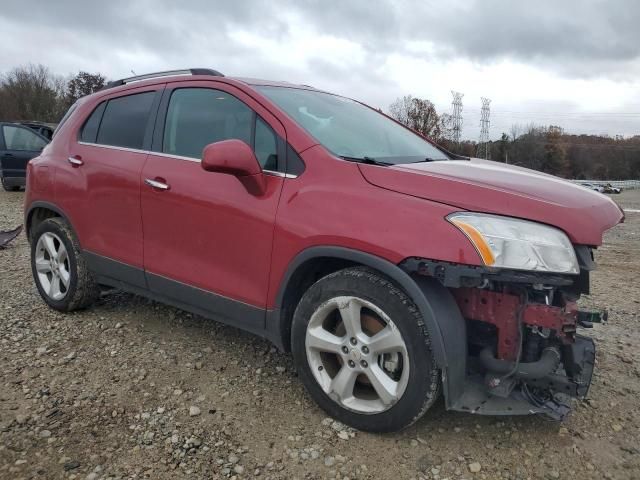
x: 124, y: 121
x: 197, y: 117
x: 22, y: 139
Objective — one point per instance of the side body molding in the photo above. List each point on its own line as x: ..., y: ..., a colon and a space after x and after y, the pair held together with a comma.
x: 439, y: 310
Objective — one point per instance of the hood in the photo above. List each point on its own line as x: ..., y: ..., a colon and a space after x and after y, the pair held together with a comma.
x: 492, y: 187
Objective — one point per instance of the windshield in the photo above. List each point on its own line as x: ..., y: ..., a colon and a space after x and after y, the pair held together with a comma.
x: 351, y: 130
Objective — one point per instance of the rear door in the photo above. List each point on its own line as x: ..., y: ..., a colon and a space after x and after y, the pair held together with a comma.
x: 18, y: 145
x: 100, y: 181
x: 206, y: 238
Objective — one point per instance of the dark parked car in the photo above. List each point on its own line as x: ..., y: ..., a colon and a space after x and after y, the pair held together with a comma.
x: 392, y: 269
x: 18, y: 145
x: 43, y: 128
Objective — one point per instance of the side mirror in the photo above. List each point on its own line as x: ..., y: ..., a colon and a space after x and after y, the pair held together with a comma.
x: 234, y: 157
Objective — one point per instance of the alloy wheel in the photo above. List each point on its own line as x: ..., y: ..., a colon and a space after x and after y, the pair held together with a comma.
x: 357, y: 354
x: 52, y: 266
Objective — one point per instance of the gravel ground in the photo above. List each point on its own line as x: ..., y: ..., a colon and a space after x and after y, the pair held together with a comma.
x: 134, y: 389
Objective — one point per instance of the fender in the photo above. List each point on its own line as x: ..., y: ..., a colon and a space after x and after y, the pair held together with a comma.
x: 439, y: 310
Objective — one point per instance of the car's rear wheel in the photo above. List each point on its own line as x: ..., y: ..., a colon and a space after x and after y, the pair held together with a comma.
x: 59, y: 269
x: 363, y: 352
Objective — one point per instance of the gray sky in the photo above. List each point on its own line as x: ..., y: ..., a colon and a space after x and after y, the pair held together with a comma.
x: 573, y: 63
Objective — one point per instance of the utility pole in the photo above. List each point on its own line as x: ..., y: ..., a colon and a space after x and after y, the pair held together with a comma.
x: 484, y: 151
x: 456, y: 117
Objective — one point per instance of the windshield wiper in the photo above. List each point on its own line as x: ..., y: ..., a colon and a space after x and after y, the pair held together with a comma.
x: 429, y: 159
x: 367, y: 160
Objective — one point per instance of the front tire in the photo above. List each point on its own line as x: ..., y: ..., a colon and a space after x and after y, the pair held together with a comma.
x: 59, y: 269
x: 363, y: 352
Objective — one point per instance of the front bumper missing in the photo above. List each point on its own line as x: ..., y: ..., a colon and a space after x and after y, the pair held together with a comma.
x: 523, y: 354
x: 540, y: 387
x: 478, y: 399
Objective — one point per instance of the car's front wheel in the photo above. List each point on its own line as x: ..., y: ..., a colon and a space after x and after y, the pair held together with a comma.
x: 59, y: 268
x: 363, y: 351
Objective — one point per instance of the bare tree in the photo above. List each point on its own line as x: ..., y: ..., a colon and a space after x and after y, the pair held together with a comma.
x: 31, y: 93
x: 418, y: 114
x: 516, y: 130
x: 399, y: 109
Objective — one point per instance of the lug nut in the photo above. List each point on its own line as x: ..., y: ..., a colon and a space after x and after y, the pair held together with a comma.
x: 345, y: 350
x: 365, y: 349
x: 352, y: 363
x: 353, y: 341
x: 364, y: 363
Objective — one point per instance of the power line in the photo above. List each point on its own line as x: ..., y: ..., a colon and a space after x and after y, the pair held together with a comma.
x: 484, y: 149
x: 456, y: 116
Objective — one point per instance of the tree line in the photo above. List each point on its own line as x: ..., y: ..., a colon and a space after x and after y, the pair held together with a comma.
x: 548, y: 149
x: 33, y: 92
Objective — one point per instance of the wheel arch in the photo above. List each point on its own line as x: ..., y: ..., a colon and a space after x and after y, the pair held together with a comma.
x: 38, y: 212
x: 439, y: 310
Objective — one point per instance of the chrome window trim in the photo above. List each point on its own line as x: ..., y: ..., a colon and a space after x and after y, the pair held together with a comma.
x: 177, y: 157
x: 279, y: 174
x: 113, y: 147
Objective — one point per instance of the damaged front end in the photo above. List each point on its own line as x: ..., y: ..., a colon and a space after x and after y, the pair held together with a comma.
x: 524, y: 355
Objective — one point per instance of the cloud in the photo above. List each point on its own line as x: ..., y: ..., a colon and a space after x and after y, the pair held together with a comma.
x: 558, y: 52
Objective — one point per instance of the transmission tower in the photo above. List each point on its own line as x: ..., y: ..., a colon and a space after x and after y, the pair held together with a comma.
x: 483, y: 143
x: 456, y: 116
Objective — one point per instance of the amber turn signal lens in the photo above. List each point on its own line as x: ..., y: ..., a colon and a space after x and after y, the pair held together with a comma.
x: 478, y: 241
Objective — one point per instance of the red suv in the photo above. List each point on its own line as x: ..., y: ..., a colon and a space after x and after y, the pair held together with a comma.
x: 391, y: 268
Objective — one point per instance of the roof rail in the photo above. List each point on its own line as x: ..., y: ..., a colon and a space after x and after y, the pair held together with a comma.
x: 168, y: 73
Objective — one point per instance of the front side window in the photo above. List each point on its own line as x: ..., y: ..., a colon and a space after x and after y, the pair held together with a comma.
x: 22, y: 139
x: 124, y: 121
x: 351, y: 130
x: 197, y: 117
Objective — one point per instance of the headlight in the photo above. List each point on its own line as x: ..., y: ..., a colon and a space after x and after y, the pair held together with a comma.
x: 518, y: 244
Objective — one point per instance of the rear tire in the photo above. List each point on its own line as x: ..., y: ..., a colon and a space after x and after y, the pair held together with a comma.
x: 348, y: 370
x: 59, y: 269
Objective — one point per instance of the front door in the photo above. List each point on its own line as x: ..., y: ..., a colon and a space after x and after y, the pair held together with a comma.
x: 207, y: 240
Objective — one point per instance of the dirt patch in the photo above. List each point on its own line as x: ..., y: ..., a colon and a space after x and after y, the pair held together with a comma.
x: 134, y: 389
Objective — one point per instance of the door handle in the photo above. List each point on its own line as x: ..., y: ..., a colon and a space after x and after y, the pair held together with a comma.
x: 156, y: 184
x: 75, y: 161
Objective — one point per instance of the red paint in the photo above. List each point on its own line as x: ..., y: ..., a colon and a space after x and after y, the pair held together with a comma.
x: 214, y: 231
x: 492, y: 187
x: 501, y: 310
x: 230, y: 156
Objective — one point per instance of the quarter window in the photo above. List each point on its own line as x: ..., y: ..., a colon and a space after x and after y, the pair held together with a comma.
x: 23, y: 139
x: 266, y: 146
x: 125, y: 120
x: 72, y: 108
x: 90, y: 128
